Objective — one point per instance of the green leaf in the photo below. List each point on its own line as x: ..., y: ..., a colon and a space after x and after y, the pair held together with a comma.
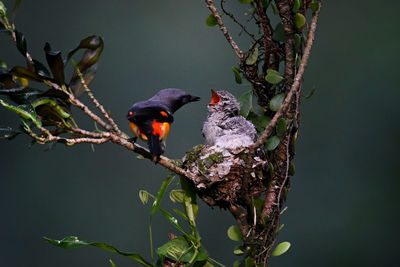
x: 272, y: 143
x: 172, y: 220
x: 24, y: 111
x: 297, y: 42
x: 180, y: 213
x: 3, y: 10
x: 300, y: 20
x: 314, y: 6
x: 160, y: 194
x: 144, y: 196
x: 258, y: 203
x: 311, y: 93
x: 281, y: 126
x: 273, y: 76
x: 265, y: 3
x: 281, y: 249
x: 234, y: 233
x: 280, y: 228
x: 252, y: 58
x: 249, y: 262
x: 182, y: 250
x: 3, y: 66
x: 177, y: 195
x: 259, y: 121
x: 112, y: 263
x: 246, y: 103
x: 140, y: 157
x: 211, y: 20
x: 279, y: 33
x: 8, y: 133
x: 245, y: 1
x: 53, y: 111
x: 238, y: 78
x: 74, y: 242
x: 238, y: 250
x: 274, y: 8
x: 296, y: 6
x: 291, y: 169
x: 190, y: 205
x: 276, y: 102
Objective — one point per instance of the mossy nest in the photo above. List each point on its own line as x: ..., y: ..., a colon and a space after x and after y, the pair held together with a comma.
x: 224, y: 177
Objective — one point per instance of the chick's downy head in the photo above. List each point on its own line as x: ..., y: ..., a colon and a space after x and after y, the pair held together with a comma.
x: 225, y: 102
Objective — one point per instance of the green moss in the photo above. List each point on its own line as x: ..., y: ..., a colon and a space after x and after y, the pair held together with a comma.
x: 213, y: 158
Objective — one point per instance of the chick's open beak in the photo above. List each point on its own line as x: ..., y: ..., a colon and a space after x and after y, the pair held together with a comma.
x: 215, y: 97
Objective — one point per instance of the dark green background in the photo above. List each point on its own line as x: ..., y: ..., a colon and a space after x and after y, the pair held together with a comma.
x: 343, y: 206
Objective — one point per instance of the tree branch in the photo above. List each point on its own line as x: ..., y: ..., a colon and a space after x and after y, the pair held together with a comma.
x: 214, y: 11
x: 296, y: 84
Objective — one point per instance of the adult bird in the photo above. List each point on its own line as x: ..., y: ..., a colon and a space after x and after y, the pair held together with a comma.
x: 150, y: 120
x: 224, y: 126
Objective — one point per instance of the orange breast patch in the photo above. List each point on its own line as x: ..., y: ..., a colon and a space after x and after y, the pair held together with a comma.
x: 161, y: 129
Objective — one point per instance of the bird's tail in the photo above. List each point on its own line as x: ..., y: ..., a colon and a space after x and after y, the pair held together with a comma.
x: 156, y: 146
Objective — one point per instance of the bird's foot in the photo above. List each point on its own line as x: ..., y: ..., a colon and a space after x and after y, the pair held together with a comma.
x: 132, y: 139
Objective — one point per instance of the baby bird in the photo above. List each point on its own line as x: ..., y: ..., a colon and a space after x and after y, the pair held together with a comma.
x: 224, y: 126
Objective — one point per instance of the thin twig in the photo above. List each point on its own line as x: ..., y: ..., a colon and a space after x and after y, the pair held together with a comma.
x: 237, y: 22
x: 214, y: 11
x: 296, y: 84
x: 96, y: 102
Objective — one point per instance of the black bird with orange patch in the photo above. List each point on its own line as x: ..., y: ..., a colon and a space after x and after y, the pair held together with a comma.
x: 150, y: 120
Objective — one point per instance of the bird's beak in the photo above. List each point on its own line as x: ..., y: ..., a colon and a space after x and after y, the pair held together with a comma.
x: 194, y: 98
x: 215, y: 97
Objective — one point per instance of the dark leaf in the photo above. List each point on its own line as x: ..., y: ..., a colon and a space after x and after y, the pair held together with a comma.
x: 259, y: 121
x: 297, y: 42
x: 311, y: 93
x: 265, y: 3
x: 21, y: 72
x: 88, y: 63
x: 246, y: 102
x: 274, y: 8
x: 74, y: 242
x: 279, y: 33
x: 21, y: 43
x: 296, y: 6
x: 211, y: 20
x: 314, y: 6
x: 56, y: 64
x: 50, y: 110
x: 272, y: 143
x: 41, y: 70
x: 8, y: 133
x: 245, y: 1
x: 281, y: 127
x: 7, y: 81
x: 22, y: 95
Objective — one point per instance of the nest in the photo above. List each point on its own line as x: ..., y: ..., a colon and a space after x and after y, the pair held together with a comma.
x: 224, y: 177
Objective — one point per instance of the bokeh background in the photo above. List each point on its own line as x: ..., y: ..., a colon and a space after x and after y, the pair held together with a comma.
x: 343, y: 209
